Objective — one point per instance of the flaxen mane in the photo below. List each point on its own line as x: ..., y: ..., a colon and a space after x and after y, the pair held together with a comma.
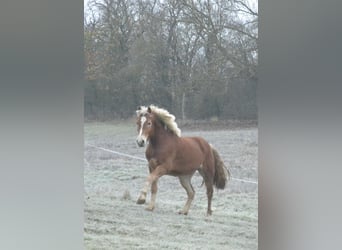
x: 167, y: 119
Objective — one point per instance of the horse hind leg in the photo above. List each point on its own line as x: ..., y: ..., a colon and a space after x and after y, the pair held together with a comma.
x: 186, y: 184
x: 210, y: 190
x: 209, y: 182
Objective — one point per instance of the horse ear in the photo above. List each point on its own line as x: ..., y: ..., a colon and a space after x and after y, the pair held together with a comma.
x: 138, y: 110
x: 149, y: 110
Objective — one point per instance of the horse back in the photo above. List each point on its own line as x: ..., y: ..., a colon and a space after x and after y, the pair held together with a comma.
x: 196, y: 142
x: 194, y: 149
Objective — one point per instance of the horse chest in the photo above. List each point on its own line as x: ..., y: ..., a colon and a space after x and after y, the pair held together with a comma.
x: 159, y: 152
x: 153, y: 163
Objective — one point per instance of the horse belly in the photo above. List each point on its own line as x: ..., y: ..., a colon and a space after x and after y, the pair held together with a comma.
x: 189, y: 158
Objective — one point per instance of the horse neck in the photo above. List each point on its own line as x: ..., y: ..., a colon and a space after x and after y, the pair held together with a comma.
x: 160, y: 135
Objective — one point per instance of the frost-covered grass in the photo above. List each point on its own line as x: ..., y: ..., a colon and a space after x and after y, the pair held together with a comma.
x: 112, y: 183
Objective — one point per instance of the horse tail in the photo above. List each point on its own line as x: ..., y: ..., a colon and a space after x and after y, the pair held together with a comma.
x: 222, y: 174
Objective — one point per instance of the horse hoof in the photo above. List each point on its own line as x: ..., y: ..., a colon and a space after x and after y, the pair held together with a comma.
x: 149, y: 209
x: 141, y: 201
x: 184, y: 213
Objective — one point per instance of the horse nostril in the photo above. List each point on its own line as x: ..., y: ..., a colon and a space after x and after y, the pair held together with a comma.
x: 140, y: 143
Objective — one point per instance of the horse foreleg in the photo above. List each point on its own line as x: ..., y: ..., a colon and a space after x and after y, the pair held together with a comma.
x: 154, y: 189
x: 186, y: 184
x: 152, y: 180
x: 143, y: 193
x: 142, y: 197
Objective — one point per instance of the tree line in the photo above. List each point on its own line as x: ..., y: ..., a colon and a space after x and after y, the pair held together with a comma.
x: 198, y: 59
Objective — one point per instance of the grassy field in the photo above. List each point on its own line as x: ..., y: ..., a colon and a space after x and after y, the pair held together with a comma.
x: 112, y: 183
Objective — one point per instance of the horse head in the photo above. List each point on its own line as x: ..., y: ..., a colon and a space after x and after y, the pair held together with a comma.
x: 145, y: 125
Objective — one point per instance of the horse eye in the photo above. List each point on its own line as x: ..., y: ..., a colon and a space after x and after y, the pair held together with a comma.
x: 149, y: 124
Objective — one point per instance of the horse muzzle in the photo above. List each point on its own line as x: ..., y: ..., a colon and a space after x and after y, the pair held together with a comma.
x: 141, y: 142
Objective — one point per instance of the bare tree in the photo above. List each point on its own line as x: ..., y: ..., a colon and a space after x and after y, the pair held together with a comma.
x: 196, y: 58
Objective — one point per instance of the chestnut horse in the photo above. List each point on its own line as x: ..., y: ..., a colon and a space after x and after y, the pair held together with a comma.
x: 168, y: 153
